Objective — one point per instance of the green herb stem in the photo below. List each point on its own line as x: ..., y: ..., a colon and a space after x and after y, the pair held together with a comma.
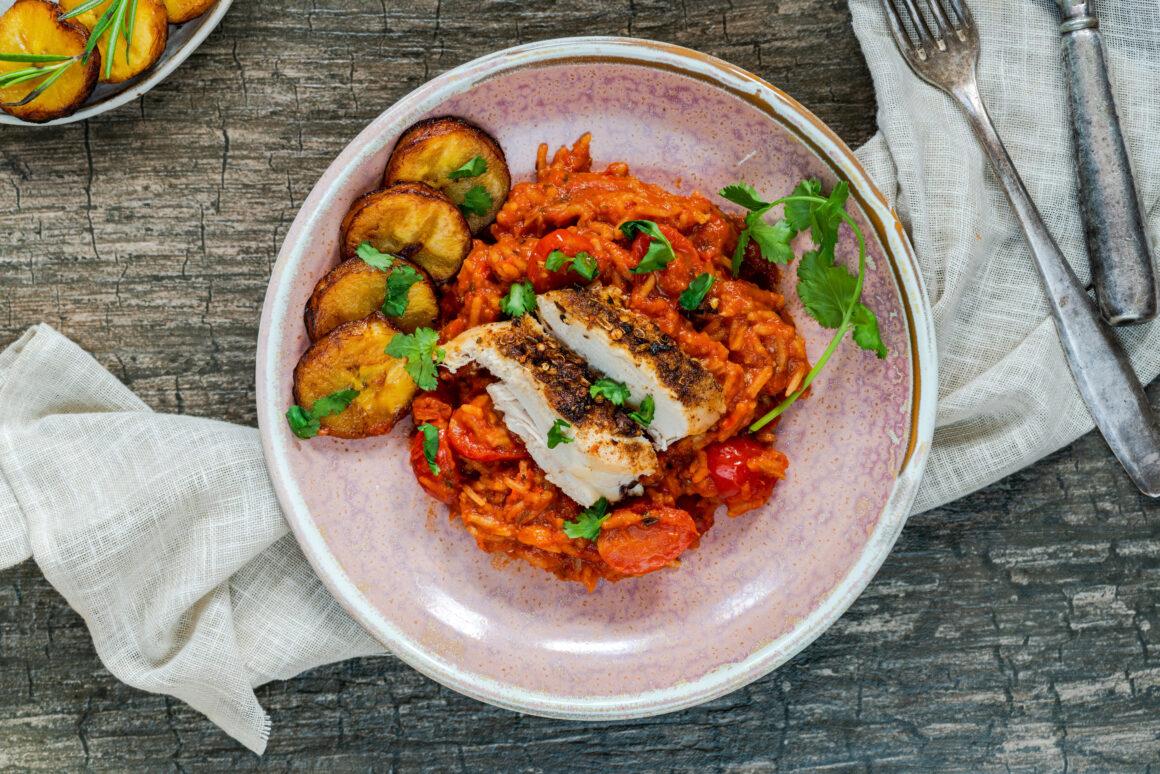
x: 842, y: 329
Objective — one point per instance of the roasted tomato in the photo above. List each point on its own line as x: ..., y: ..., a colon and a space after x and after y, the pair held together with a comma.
x: 687, y: 264
x: 476, y: 432
x: 569, y: 243
x: 730, y: 466
x: 645, y: 537
x: 430, y: 409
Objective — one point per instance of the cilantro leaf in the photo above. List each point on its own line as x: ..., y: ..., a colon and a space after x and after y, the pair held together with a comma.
x: 772, y: 240
x: 695, y: 293
x: 557, y: 434
x: 865, y: 331
x: 582, y: 263
x: 555, y: 260
x: 589, y: 521
x: 422, y: 355
x: 743, y: 195
x: 797, y: 214
x: 399, y: 284
x: 520, y: 299
x: 739, y: 253
x: 660, y: 250
x: 473, y: 168
x: 825, y: 289
x: 476, y: 201
x: 430, y: 445
x: 585, y: 265
x: 372, y: 257
x: 644, y: 414
x: 826, y: 218
x: 615, y: 392
x: 305, y: 423
x: 302, y: 422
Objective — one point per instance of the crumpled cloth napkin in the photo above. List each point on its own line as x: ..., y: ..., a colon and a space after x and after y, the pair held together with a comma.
x: 163, y: 531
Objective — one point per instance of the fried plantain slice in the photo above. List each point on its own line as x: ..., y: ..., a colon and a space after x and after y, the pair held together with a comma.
x: 412, y: 220
x: 443, y: 153
x: 150, y: 34
x: 33, y: 27
x: 181, y: 11
x: 354, y: 289
x: 353, y: 356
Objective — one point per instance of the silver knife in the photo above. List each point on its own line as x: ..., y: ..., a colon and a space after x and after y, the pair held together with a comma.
x: 1117, y: 242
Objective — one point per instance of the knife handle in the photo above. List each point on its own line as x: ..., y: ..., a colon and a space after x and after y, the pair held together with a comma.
x: 1121, y: 262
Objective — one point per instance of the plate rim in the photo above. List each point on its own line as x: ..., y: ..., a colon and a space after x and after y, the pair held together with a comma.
x: 899, y: 255
x: 209, y: 22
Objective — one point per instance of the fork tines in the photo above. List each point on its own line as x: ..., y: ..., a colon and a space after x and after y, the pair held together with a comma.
x: 918, y: 32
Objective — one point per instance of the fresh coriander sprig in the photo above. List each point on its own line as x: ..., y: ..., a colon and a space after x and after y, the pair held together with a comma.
x: 695, y: 293
x: 373, y: 257
x: 430, y: 445
x: 645, y: 412
x: 660, y: 250
x: 589, y: 521
x: 474, y: 167
x: 558, y: 433
x: 476, y: 201
x: 520, y: 300
x: 613, y: 391
x: 399, y: 283
x: 421, y: 353
x: 305, y: 423
x: 829, y: 293
x: 582, y: 263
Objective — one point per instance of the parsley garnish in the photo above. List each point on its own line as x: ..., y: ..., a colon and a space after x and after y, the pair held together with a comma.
x: 588, y: 523
x: 582, y: 263
x: 644, y: 414
x: 305, y: 424
x: 830, y: 293
x: 520, y: 299
x: 430, y: 445
x: 616, y: 392
x: 399, y: 284
x: 473, y: 168
x: 476, y: 201
x: 372, y: 257
x: 660, y: 250
x: 556, y: 434
x: 422, y: 354
x: 695, y: 293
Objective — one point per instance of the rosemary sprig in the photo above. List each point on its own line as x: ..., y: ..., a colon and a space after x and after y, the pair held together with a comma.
x: 50, y: 74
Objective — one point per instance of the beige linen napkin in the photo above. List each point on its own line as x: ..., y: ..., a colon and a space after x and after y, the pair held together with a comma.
x: 163, y: 532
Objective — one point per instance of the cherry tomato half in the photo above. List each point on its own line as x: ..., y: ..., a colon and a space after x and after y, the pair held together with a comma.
x: 472, y: 436
x: 569, y: 243
x: 645, y: 537
x: 729, y: 466
x: 443, y: 486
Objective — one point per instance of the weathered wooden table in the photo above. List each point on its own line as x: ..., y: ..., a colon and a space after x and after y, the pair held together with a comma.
x: 1012, y: 629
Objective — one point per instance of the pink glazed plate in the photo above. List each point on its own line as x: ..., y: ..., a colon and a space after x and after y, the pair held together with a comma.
x: 760, y: 587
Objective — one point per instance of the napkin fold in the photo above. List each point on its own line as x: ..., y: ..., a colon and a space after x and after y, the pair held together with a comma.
x: 163, y: 531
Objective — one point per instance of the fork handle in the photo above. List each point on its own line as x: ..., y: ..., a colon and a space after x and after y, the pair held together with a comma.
x: 1116, y: 239
x: 1097, y: 362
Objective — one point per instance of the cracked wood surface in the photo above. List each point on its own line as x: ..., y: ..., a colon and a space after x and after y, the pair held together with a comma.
x: 1008, y: 631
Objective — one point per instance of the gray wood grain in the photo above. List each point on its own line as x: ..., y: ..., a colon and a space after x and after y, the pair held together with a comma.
x: 1011, y: 630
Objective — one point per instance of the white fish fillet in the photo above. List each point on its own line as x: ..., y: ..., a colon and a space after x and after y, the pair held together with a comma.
x: 541, y: 382
x: 628, y: 347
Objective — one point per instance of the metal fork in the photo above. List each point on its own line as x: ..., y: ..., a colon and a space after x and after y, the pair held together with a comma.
x: 944, y: 54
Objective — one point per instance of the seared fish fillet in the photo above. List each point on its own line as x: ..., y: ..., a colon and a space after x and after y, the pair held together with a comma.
x: 630, y: 348
x: 541, y: 382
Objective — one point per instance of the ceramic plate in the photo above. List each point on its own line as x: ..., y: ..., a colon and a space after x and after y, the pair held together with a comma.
x: 183, y: 41
x: 761, y: 586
